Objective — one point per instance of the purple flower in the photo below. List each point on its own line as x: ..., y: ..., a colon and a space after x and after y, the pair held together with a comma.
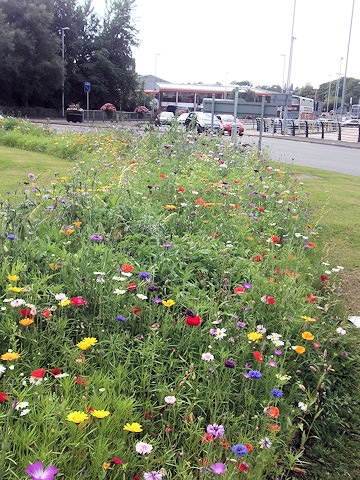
x: 247, y: 285
x: 190, y: 313
x: 229, y: 363
x: 241, y: 324
x: 144, y: 275
x: 152, y: 476
x: 276, y: 393
x: 96, y: 238
x: 36, y: 471
x: 11, y: 236
x: 157, y: 300
x: 167, y: 245
x: 216, y: 430
x: 239, y: 449
x: 218, y: 468
x: 278, y: 352
x: 255, y: 374
x: 153, y: 288
x: 120, y: 318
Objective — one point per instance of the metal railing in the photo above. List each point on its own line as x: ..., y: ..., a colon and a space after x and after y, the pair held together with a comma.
x: 102, y: 116
x: 307, y: 128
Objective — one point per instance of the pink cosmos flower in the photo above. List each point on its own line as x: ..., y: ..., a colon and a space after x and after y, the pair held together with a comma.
x: 36, y: 471
x: 143, y: 448
x: 218, y: 468
x: 170, y: 400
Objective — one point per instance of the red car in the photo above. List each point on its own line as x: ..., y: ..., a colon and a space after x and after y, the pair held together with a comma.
x: 227, y: 122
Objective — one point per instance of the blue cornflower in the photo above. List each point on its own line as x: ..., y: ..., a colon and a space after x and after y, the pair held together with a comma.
x: 254, y: 374
x: 120, y: 318
x: 11, y: 236
x: 239, y: 449
x: 144, y: 275
x: 276, y: 393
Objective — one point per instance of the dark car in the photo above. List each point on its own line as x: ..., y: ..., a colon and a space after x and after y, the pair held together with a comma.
x: 201, y: 122
x: 227, y: 123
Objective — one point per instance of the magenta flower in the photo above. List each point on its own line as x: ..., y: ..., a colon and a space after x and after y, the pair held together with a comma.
x: 36, y: 471
x: 218, y: 468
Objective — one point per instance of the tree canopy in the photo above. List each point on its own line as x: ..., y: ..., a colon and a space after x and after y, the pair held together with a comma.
x: 34, y: 35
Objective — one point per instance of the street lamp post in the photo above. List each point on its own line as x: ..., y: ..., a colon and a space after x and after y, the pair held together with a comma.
x: 153, y: 102
x: 63, y: 69
x: 346, y: 63
x: 283, y: 73
x: 289, y: 72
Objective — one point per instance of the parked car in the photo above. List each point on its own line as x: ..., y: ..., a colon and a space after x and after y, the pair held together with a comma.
x: 354, y: 122
x: 201, y: 122
x: 227, y: 123
x: 164, y: 118
x: 181, y: 118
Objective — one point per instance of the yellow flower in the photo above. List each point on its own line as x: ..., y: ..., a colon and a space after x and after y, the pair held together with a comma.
x: 86, y: 343
x: 170, y: 207
x: 54, y: 266
x: 307, y: 336
x: 100, y: 413
x: 133, y: 427
x: 299, y: 349
x: 77, y: 417
x: 77, y: 224
x: 64, y: 303
x: 168, y: 303
x: 25, y: 322
x: 308, y: 319
x: 13, y: 278
x: 16, y: 289
x: 68, y: 231
x: 254, y: 336
x: 106, y: 465
x: 10, y: 356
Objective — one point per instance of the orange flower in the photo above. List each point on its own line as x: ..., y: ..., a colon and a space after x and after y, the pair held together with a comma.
x: 10, y: 356
x: 273, y: 427
x: 77, y: 224
x: 25, y: 322
x: 299, y: 349
x: 199, y: 201
x: 307, y: 336
x: 206, y: 438
x: 162, y: 175
x: 273, y: 412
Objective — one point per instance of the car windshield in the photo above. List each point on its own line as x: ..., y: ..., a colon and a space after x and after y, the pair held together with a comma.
x: 166, y: 114
x: 228, y: 118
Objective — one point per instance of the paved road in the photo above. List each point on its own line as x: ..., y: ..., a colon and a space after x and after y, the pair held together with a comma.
x: 333, y: 157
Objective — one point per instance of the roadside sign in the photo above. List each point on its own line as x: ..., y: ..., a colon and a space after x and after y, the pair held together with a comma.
x: 87, y: 87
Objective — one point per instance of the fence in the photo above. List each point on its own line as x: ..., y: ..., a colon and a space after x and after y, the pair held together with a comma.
x: 307, y: 128
x: 102, y: 116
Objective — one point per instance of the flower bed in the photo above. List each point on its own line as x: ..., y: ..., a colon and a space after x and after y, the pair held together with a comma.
x: 166, y: 316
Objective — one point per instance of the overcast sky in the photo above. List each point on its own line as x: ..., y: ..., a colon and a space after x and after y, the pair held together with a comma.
x: 208, y: 41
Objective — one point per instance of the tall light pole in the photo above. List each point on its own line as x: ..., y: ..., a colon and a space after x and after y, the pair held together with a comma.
x: 289, y: 71
x: 63, y: 69
x: 153, y: 102
x: 346, y: 63
x: 337, y: 89
x: 283, y: 73
x: 328, y: 98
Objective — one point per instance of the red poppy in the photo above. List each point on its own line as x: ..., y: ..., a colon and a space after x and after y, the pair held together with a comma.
x: 38, y: 373
x: 311, y: 244
x: 193, y: 321
x: 261, y: 209
x: 275, y: 239
x: 249, y: 447
x: 225, y: 444
x: 169, y: 428
x: 181, y: 189
x: 90, y: 409
x: 3, y: 397
x: 270, y: 300
x: 258, y: 356
x: 294, y: 197
x: 135, y: 310
x: 117, y: 460
x: 273, y: 427
x: 206, y: 438
x: 77, y: 301
x: 199, y: 201
x: 131, y: 286
x: 55, y: 371
x: 27, y: 313
x: 82, y: 381
x: 257, y: 258
x: 324, y: 278
x: 46, y: 313
x: 127, y: 268
x: 310, y: 298
x: 189, y: 418
x: 162, y: 175
x: 239, y: 290
x: 243, y: 467
x: 274, y: 412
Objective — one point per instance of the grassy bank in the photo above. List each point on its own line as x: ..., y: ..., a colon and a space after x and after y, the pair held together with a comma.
x: 169, y: 308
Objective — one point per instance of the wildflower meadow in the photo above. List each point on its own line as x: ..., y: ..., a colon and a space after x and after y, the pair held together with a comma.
x: 165, y: 313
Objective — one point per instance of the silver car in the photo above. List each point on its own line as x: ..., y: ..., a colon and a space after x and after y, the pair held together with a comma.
x: 203, y: 122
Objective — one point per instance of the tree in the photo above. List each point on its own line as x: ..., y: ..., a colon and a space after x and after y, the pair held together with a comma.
x: 30, y: 66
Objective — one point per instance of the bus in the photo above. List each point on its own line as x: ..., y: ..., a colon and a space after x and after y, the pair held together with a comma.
x: 355, y: 111
x: 301, y: 108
